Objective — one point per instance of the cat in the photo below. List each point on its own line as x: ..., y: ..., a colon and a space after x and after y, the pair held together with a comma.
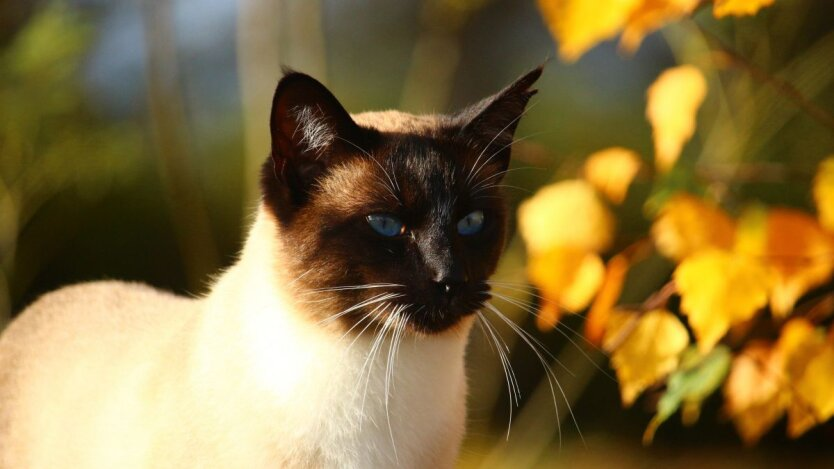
x: 337, y: 339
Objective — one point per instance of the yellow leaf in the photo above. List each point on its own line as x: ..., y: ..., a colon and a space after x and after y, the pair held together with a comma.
x: 579, y: 25
x: 751, y: 231
x: 548, y: 316
x: 798, y: 344
x: 609, y: 294
x: 753, y: 393
x: 824, y: 193
x: 723, y: 8
x: 794, y: 246
x: 687, y: 224
x: 673, y: 102
x: 565, y: 214
x: 719, y: 289
x: 568, y: 280
x: 816, y: 387
x: 650, y: 351
x: 651, y: 15
x: 611, y: 171
x: 795, y: 374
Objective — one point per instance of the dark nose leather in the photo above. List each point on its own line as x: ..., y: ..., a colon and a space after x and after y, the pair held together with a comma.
x: 449, y: 279
x: 445, y: 271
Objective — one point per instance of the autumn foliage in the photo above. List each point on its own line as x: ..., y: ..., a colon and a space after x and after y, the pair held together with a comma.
x: 742, y: 312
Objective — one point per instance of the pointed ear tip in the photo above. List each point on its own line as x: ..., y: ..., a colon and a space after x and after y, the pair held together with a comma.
x: 293, y: 80
x: 289, y: 75
x: 533, y: 75
x: 528, y: 79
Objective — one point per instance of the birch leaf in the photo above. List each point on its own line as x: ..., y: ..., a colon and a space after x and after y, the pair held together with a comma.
x: 606, y: 298
x: 649, y: 352
x: 824, y: 193
x: 611, y: 171
x: 687, y: 224
x: 698, y: 377
x: 724, y: 8
x: 798, y: 344
x: 565, y: 214
x: 797, y: 250
x: 673, y: 102
x: 652, y: 15
x: 753, y: 393
x: 568, y: 280
x: 579, y: 25
x: 719, y: 289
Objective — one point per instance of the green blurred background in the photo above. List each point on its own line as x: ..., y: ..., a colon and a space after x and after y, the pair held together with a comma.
x: 131, y: 133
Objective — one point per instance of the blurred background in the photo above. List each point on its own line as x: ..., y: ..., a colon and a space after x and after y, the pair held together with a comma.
x: 131, y: 132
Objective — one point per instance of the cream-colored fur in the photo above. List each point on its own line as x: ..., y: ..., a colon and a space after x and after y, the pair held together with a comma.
x: 120, y: 375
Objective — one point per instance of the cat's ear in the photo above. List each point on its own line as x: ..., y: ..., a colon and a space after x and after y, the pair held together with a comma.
x: 490, y: 124
x: 309, y: 127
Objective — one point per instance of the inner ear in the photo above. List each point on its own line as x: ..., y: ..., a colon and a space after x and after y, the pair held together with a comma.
x: 489, y: 126
x: 309, y: 129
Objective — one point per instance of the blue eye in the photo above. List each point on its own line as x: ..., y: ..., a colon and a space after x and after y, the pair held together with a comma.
x: 471, y: 224
x: 386, y: 225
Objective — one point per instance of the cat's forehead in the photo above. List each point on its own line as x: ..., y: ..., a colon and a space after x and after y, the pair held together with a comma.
x: 407, y: 169
x: 401, y: 122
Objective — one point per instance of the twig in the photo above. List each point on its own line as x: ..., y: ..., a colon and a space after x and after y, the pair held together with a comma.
x: 657, y: 300
x: 780, y: 85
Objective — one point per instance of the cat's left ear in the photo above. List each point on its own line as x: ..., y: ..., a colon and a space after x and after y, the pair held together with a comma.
x: 310, y: 132
x: 490, y: 124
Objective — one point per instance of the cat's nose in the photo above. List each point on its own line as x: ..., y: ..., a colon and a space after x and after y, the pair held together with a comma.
x: 449, y: 281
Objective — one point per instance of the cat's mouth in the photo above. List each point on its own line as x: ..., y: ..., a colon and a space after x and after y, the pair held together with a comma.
x: 433, y: 315
x: 447, y: 312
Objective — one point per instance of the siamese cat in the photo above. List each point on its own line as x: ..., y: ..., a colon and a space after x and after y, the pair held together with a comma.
x: 337, y: 338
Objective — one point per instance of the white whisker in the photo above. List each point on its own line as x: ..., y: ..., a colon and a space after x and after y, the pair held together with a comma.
x: 486, y: 162
x: 374, y: 299
x: 375, y: 348
x: 361, y: 320
x: 306, y: 272
x: 530, y: 309
x: 370, y: 323
x: 512, y: 383
x: 481, y: 154
x: 393, y: 347
x: 367, y: 286
x: 549, y: 374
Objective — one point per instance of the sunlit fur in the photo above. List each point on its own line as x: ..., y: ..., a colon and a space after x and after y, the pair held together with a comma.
x: 261, y: 371
x: 235, y: 379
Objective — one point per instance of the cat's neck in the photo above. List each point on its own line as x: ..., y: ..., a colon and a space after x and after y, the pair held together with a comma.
x: 254, y: 299
x: 325, y: 385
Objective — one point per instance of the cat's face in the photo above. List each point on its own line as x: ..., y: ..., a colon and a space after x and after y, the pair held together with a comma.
x: 387, y: 217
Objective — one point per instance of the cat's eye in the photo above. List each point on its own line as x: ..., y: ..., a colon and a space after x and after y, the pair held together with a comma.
x: 386, y: 225
x: 471, y: 224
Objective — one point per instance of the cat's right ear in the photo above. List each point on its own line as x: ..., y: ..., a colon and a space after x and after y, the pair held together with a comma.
x: 309, y: 128
x: 490, y: 124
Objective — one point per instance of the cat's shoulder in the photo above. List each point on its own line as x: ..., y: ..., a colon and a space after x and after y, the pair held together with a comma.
x: 110, y: 294
x: 109, y: 303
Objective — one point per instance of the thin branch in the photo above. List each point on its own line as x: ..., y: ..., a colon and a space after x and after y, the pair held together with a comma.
x: 781, y: 86
x: 657, y: 300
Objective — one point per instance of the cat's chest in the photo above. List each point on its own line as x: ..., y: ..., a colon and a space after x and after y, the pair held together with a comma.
x: 371, y: 406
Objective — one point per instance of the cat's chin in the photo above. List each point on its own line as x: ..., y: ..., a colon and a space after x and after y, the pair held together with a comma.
x: 422, y: 320
x: 440, y: 315
x: 443, y: 322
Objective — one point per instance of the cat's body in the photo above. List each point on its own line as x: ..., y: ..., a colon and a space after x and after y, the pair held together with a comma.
x: 267, y: 370
x: 231, y: 380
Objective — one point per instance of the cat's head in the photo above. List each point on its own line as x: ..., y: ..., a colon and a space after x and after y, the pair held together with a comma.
x: 387, y: 216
